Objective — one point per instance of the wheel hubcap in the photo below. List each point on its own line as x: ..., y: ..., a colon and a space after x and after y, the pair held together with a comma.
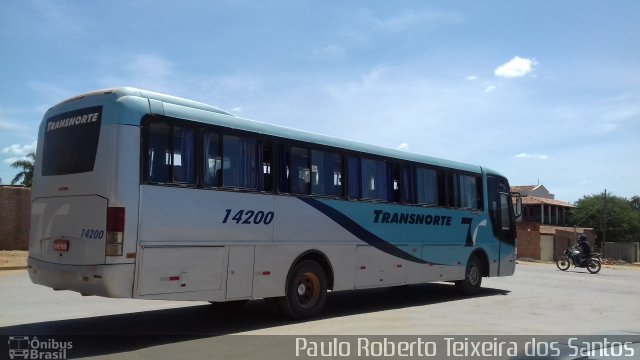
x: 308, y: 290
x: 302, y: 288
x: 474, y: 275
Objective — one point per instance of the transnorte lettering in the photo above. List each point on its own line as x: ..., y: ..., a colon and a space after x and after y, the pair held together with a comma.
x: 72, y: 121
x: 384, y: 217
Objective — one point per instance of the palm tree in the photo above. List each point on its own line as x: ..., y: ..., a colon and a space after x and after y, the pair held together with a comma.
x: 26, y: 167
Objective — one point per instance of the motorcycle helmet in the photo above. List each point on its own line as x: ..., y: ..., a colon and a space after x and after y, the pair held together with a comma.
x: 582, y: 238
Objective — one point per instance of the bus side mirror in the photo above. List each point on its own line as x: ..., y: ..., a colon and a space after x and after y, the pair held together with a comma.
x: 518, y: 205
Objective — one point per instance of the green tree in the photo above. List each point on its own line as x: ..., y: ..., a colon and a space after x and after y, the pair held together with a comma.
x: 26, y: 170
x: 622, y: 220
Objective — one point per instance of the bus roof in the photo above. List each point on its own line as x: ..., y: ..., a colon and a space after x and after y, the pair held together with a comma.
x: 192, y: 110
x: 130, y: 91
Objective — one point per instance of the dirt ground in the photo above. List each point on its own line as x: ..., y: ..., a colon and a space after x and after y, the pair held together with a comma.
x: 13, y: 259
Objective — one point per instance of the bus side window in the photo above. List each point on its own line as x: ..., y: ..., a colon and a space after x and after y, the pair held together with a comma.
x: 465, y: 191
x: 353, y: 178
x: 240, y: 166
x: 407, y: 189
x: 283, y: 168
x: 377, y: 180
x: 394, y: 174
x: 265, y: 161
x: 158, y: 152
x: 183, y: 155
x: 170, y: 154
x: 470, y: 192
x: 368, y: 183
x: 212, y: 159
x: 426, y: 187
x: 326, y: 173
x: 301, y: 171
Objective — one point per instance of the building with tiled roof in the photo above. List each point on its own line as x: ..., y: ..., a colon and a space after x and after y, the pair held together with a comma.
x: 542, y: 229
x: 540, y: 206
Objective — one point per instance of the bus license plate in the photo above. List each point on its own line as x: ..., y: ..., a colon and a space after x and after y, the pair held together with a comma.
x: 60, y: 245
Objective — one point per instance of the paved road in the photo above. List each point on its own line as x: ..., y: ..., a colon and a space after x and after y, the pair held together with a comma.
x: 539, y: 299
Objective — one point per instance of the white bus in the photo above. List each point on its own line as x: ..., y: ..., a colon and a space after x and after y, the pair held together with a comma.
x: 143, y: 195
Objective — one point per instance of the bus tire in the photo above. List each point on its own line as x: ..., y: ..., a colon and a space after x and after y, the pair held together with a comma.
x: 306, y: 291
x: 472, y: 277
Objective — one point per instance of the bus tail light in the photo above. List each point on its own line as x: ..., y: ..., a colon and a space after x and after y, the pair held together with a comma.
x: 115, y: 231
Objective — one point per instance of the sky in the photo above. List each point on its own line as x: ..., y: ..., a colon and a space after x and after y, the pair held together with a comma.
x: 545, y: 92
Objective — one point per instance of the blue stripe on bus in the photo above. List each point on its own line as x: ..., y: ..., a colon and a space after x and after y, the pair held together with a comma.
x: 362, y: 233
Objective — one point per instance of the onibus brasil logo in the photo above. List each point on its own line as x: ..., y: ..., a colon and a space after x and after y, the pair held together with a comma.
x: 32, y: 348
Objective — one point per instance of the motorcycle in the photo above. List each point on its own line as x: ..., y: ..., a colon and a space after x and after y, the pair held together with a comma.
x: 570, y: 256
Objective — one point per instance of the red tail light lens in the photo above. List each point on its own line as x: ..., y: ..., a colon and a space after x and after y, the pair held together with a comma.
x: 115, y: 231
x: 115, y: 219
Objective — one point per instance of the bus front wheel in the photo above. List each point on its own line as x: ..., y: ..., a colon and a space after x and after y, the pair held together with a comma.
x: 306, y: 291
x: 472, y: 277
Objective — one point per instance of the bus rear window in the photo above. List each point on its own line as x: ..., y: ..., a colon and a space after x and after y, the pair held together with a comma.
x: 71, y: 142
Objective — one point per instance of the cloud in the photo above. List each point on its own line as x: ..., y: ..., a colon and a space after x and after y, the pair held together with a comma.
x: 11, y: 160
x: 516, y: 67
x: 403, y: 147
x: 490, y: 88
x: 471, y: 78
x: 19, y: 150
x: 531, y: 156
x: 375, y: 74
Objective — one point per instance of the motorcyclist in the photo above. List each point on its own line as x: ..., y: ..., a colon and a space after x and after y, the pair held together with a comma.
x: 585, y: 249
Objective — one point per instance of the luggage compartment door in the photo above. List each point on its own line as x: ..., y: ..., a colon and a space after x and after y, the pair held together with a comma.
x: 179, y: 269
x: 240, y: 272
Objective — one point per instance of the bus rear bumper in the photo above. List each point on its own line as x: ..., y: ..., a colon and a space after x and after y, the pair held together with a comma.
x: 113, y: 280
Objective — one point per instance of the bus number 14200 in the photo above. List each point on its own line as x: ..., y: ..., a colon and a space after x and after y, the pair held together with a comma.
x: 248, y: 217
x: 92, y: 234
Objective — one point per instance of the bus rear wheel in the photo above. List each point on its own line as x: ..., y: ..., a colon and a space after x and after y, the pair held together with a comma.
x: 306, y: 291
x: 472, y: 277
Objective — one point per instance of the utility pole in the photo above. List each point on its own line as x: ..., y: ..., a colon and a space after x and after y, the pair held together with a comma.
x: 604, y: 223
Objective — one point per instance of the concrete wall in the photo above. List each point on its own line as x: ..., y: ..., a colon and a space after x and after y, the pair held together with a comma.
x: 15, y: 215
x: 541, y: 192
x: 566, y: 238
x: 627, y: 251
x: 547, y: 247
